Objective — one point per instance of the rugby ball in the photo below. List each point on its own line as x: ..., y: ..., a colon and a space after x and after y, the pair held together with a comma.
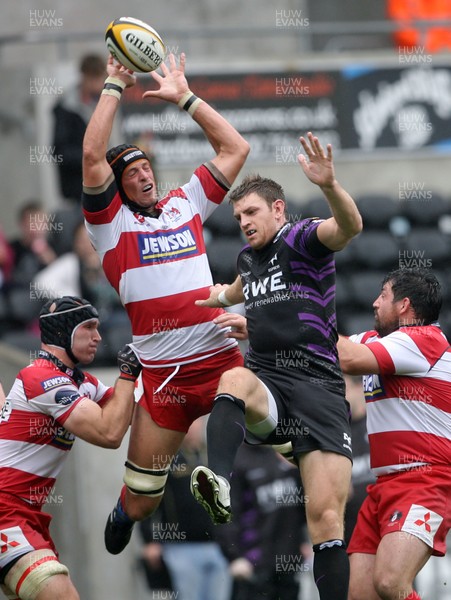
x: 136, y: 45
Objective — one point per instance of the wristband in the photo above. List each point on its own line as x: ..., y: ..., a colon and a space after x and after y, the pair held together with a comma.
x: 128, y: 377
x: 223, y: 300
x: 113, y: 87
x: 189, y: 102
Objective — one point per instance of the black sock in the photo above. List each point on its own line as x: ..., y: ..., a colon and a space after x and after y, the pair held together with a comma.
x: 331, y: 570
x: 225, y: 433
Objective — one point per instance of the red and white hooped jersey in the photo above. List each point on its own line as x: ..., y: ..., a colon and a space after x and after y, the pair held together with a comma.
x: 409, y: 402
x: 159, y: 267
x: 33, y: 440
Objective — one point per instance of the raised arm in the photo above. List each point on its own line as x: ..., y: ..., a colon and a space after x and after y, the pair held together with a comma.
x: 346, y: 221
x: 96, y: 169
x: 230, y: 147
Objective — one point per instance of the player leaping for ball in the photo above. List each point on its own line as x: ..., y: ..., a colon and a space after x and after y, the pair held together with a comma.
x: 158, y: 265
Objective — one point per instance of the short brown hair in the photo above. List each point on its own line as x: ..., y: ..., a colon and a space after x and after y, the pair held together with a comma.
x: 267, y: 189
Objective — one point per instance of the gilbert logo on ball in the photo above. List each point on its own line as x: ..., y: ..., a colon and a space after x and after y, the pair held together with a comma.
x: 136, y: 45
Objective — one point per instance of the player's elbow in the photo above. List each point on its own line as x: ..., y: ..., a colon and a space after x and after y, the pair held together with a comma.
x: 346, y: 366
x: 357, y: 225
x: 239, y: 149
x: 353, y: 366
x: 112, y: 439
x: 91, y: 154
x: 112, y: 442
x: 244, y: 149
x: 353, y: 228
x: 89, y: 159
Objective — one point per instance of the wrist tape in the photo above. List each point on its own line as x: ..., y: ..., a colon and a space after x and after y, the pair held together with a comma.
x: 189, y: 102
x: 223, y: 299
x: 113, y: 87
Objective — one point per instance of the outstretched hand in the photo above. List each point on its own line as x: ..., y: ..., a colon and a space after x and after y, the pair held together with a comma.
x: 115, y: 69
x: 212, y: 300
x: 319, y: 167
x: 173, y: 83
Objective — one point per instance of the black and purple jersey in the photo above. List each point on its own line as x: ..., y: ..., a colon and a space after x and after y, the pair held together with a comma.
x: 289, y: 289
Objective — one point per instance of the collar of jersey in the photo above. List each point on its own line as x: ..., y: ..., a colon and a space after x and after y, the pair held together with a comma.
x: 76, y: 374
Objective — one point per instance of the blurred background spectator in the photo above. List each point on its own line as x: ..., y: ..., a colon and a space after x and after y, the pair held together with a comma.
x: 31, y: 252
x: 31, y: 249
x: 6, y: 259
x: 71, y: 115
x: 80, y: 273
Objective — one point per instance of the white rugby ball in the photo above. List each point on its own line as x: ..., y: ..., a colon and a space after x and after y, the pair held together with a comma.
x: 136, y: 45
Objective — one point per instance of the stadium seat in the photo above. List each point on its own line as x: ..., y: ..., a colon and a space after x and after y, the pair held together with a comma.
x: 365, y: 287
x: 444, y: 277
x: 377, y: 210
x: 316, y: 207
x: 445, y: 324
x: 343, y: 298
x: 425, y: 212
x: 376, y: 250
x: 344, y: 259
x: 222, y: 221
x: 426, y: 247
x: 222, y: 254
x: 357, y: 323
x: 295, y: 211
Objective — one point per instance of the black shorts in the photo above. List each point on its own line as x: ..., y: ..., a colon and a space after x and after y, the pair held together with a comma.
x: 311, y: 416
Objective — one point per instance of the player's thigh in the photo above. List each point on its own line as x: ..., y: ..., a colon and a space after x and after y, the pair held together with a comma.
x: 150, y: 453
x: 151, y: 446
x: 326, y: 477
x: 361, y: 584
x: 400, y: 556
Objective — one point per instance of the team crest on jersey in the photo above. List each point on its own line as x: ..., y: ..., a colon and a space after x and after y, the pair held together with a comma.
x: 372, y: 387
x: 164, y: 247
x: 140, y: 218
x: 174, y: 214
x: 394, y: 517
x: 49, y: 384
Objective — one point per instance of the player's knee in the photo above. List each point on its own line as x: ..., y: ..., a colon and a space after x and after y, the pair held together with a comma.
x: 28, y: 577
x: 389, y: 584
x: 386, y: 587
x: 146, y: 487
x: 238, y: 381
x: 324, y: 523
